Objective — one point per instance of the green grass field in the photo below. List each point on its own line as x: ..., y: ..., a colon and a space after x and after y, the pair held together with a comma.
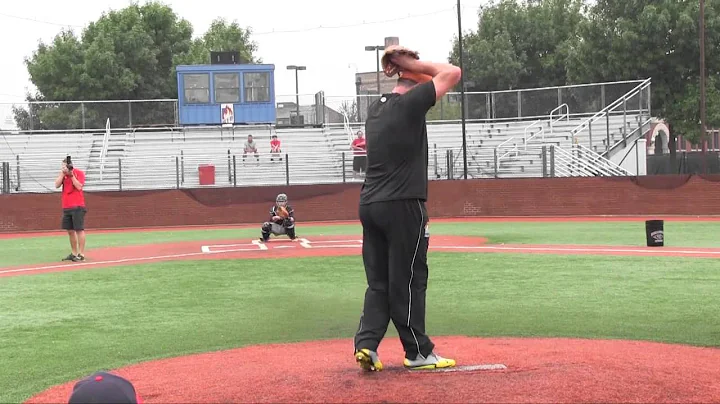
x: 59, y: 326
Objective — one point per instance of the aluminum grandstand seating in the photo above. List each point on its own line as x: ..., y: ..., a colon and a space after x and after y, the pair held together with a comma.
x: 170, y: 157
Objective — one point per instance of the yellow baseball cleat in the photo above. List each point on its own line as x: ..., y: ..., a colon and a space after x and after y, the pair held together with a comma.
x: 433, y: 361
x: 368, y: 360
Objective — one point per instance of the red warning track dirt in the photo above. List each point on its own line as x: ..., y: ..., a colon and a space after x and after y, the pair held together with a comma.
x: 538, y: 370
x: 323, y: 246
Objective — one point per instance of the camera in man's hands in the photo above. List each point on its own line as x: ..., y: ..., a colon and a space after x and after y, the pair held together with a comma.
x: 68, y: 163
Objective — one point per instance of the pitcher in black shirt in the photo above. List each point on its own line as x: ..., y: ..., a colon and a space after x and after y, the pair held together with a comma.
x: 393, y: 214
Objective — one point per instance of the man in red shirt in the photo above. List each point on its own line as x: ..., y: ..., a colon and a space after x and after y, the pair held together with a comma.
x: 360, y: 159
x: 72, y: 181
x: 275, y: 148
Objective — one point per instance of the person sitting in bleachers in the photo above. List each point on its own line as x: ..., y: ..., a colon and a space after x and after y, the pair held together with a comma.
x: 250, y: 147
x: 275, y: 149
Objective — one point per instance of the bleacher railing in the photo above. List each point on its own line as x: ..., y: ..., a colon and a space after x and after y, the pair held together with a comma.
x: 530, y: 103
x: 105, y: 143
x: 635, y: 103
x: 36, y: 173
x: 582, y: 162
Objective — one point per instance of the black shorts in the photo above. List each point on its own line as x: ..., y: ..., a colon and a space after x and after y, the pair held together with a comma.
x: 74, y: 219
x: 360, y: 163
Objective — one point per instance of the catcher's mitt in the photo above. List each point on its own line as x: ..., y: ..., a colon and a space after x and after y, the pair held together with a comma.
x: 389, y: 67
x: 282, y: 212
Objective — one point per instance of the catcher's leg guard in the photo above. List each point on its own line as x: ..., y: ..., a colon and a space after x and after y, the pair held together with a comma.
x: 290, y: 229
x: 266, y: 231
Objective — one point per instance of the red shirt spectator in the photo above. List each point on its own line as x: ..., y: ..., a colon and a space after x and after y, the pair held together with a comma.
x: 275, y: 148
x: 359, y: 150
x: 71, y: 196
x: 72, y: 181
x: 358, y: 145
x: 275, y: 144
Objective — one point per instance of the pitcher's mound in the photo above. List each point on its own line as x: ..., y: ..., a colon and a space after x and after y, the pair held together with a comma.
x: 489, y: 370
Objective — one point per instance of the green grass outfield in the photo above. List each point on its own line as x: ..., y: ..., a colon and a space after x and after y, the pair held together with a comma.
x: 59, y: 326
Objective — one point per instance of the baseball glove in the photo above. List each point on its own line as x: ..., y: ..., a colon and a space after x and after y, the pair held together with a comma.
x: 283, y: 213
x: 389, y: 67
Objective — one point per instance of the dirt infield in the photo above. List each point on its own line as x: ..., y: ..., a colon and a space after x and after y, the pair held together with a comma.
x: 535, y: 370
x: 324, y: 246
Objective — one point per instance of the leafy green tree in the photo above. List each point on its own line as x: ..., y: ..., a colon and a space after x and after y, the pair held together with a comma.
x: 128, y: 54
x: 221, y: 36
x: 657, y: 39
x: 445, y: 110
x: 520, y: 45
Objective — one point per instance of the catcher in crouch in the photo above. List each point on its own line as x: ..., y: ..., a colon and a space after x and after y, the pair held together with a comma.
x: 282, y: 220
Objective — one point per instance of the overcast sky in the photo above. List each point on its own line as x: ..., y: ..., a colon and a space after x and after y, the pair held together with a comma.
x: 327, y: 36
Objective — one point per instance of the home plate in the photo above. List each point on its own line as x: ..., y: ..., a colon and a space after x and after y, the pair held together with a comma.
x: 283, y: 246
x: 466, y: 368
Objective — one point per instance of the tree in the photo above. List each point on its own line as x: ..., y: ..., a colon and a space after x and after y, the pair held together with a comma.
x: 129, y: 54
x: 350, y: 109
x: 221, y: 36
x: 520, y: 45
x: 657, y: 39
x: 445, y: 110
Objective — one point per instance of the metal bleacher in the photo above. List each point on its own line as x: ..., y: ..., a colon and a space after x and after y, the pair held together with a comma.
x: 171, y: 157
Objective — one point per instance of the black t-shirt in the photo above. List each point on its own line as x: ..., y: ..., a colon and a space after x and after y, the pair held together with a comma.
x: 397, y: 146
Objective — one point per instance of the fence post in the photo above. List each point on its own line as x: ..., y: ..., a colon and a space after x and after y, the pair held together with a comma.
x: 17, y: 172
x: 435, y: 159
x: 447, y: 163
x: 544, y: 161
x: 129, y: 114
x: 590, y: 134
x: 552, y: 161
x: 82, y: 109
x: 607, y: 135
x: 287, y: 170
x: 182, y: 167
x: 234, y: 171
x: 343, y: 166
x: 177, y: 172
x: 230, y: 167
x: 625, y: 124
x: 451, y: 165
x: 120, y: 173
x: 488, y: 106
x: 5, y: 177
x: 519, y: 101
x: 495, y: 158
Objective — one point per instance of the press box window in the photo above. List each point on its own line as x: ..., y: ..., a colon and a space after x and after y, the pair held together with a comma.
x: 227, y: 87
x: 197, y: 88
x: 257, y: 87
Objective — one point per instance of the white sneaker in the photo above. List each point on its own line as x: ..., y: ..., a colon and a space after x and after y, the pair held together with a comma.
x: 433, y: 361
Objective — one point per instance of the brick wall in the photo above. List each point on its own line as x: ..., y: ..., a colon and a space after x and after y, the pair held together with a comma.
x: 652, y: 195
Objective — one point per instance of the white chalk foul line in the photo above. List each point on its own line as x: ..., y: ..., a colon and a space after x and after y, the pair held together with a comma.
x: 119, y: 261
x: 560, y: 248
x: 260, y: 244
x: 305, y: 242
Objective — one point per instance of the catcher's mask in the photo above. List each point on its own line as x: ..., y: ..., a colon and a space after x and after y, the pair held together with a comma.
x: 281, y: 200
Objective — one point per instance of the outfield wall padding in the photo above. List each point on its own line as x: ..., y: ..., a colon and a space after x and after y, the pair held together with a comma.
x: 579, y: 196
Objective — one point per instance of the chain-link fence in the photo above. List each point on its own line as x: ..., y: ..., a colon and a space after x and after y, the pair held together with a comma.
x: 314, y: 109
x: 73, y: 115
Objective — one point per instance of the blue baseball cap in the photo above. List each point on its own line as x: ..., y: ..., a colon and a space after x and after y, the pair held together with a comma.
x: 103, y: 388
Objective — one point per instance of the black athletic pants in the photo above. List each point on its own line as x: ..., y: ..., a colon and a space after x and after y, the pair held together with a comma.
x: 395, y: 256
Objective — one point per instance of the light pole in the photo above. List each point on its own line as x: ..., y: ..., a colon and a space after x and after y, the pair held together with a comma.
x: 462, y: 89
x: 377, y: 49
x: 297, y: 88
